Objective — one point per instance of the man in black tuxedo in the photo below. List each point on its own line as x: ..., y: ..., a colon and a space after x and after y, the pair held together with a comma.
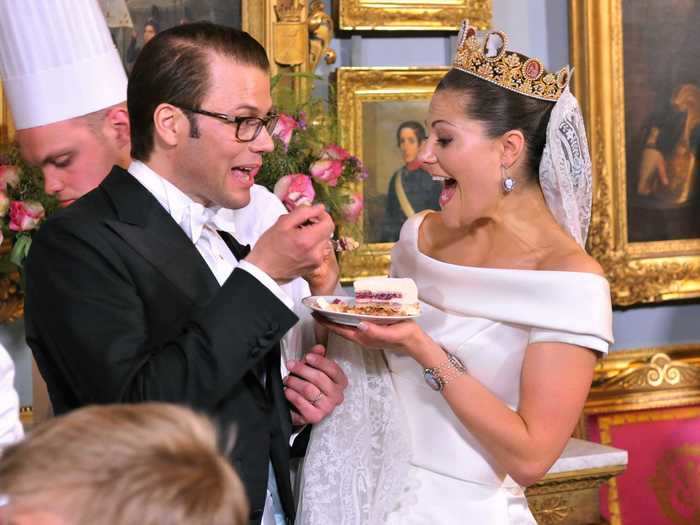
x: 139, y: 291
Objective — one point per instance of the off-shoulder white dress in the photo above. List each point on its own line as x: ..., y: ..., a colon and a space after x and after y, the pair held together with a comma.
x: 486, y: 317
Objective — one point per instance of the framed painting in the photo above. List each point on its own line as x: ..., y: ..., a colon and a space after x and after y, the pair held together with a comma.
x: 382, y: 120
x: 411, y: 15
x: 639, y: 86
x: 134, y: 22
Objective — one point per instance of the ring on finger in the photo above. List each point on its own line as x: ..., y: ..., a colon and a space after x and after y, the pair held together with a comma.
x: 317, y: 398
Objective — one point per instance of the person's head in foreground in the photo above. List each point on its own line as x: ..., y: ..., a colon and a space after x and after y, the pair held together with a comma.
x: 68, y: 95
x: 201, y: 111
x: 146, y: 464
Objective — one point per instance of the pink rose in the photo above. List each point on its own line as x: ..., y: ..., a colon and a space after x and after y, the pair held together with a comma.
x: 327, y: 171
x: 335, y: 152
x: 295, y: 190
x: 285, y: 128
x: 9, y: 176
x: 4, y: 203
x: 352, y: 210
x: 25, y: 215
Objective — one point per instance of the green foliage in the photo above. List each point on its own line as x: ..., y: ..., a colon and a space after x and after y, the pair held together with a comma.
x: 29, y: 188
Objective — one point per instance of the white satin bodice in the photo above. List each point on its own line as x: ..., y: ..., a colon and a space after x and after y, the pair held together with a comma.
x: 486, y: 317
x: 393, y: 453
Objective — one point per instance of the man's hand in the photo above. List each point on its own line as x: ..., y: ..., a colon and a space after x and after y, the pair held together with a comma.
x: 295, y: 245
x: 314, y: 386
x: 324, y: 278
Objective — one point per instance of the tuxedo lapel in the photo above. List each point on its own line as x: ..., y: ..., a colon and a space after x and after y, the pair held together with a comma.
x: 148, y: 228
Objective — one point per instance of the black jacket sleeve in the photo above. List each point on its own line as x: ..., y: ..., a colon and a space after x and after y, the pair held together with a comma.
x: 98, y: 337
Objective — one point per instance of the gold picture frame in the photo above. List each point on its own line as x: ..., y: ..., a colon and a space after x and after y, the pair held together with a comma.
x: 357, y: 87
x: 639, y: 271
x: 402, y: 15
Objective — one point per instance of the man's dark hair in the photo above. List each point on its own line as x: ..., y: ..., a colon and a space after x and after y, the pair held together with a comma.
x: 174, y: 68
x: 417, y: 128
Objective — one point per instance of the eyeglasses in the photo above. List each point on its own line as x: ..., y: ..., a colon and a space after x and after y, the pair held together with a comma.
x: 247, y: 128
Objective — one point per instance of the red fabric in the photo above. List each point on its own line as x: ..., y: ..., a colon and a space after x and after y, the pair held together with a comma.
x: 661, y: 485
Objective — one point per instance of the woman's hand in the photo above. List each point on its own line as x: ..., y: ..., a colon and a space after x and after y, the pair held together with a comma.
x: 405, y: 337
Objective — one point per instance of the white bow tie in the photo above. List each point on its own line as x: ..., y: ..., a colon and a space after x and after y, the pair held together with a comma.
x: 195, y: 217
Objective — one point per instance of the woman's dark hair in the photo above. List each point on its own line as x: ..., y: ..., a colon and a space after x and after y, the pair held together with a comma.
x: 417, y: 128
x: 502, y: 110
x: 153, y: 23
x: 174, y: 68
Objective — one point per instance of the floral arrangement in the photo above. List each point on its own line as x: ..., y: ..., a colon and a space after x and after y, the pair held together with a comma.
x: 23, y: 205
x: 307, y: 166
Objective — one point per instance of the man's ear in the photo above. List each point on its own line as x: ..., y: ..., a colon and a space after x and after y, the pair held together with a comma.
x: 168, y: 122
x: 116, y: 125
x: 513, y: 144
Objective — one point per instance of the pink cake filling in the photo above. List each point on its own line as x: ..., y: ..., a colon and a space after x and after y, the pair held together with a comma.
x: 365, y: 296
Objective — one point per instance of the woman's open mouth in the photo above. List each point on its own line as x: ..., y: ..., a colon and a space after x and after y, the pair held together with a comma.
x: 449, y: 188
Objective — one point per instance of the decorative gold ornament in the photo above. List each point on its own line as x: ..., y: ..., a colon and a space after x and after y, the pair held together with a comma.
x: 291, y: 39
x: 290, y: 10
x: 400, y: 15
x: 646, y: 379
x: 551, y: 510
x: 490, y: 60
x: 570, y: 497
x: 320, y: 34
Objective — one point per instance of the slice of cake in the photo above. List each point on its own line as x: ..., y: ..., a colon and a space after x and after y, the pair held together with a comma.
x: 387, y: 294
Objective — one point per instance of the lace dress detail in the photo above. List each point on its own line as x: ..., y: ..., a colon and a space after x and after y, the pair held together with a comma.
x: 356, y: 462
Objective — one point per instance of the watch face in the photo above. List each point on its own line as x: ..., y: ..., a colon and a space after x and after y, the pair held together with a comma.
x: 433, y: 382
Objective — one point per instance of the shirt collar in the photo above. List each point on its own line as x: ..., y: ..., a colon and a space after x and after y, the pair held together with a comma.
x: 190, y: 215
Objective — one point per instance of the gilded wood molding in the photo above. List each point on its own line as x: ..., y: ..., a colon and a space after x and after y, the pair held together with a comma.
x: 399, y: 15
x: 638, y: 271
x: 569, y: 497
x: 646, y: 379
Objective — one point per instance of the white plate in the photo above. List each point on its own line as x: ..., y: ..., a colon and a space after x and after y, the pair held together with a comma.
x: 348, y: 318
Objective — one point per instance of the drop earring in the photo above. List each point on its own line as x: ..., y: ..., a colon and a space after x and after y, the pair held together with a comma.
x: 507, y: 181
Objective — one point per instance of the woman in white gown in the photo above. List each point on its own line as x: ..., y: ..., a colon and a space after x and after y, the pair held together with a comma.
x: 477, y: 398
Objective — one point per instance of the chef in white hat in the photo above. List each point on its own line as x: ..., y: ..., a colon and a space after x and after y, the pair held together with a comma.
x: 66, y: 88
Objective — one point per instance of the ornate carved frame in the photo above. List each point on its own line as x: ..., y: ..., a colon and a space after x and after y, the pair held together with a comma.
x: 436, y: 15
x: 629, y: 382
x: 642, y: 271
x: 646, y: 379
x: 355, y: 87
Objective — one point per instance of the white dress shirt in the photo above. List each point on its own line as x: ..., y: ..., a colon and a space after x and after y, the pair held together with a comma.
x: 200, y: 224
x: 10, y: 426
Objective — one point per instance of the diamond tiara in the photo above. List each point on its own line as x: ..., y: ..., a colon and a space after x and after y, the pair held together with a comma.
x: 490, y: 60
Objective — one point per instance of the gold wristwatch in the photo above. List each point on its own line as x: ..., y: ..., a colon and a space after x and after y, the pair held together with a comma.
x: 438, y: 376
